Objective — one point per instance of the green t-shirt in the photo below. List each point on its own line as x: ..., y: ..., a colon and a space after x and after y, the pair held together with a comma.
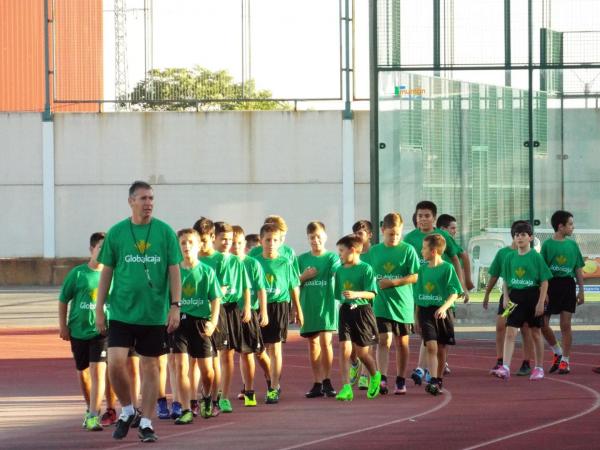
x: 280, y: 277
x: 256, y: 274
x: 359, y: 277
x: 79, y: 290
x: 138, y: 296
x: 395, y: 303
x: 235, y: 278
x: 495, y: 269
x: 215, y: 262
x: 199, y: 287
x: 562, y: 257
x: 285, y: 250
x: 525, y: 271
x: 416, y: 236
x: 317, y: 294
x: 436, y: 284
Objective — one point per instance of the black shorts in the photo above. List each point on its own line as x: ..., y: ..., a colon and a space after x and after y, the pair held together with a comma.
x: 221, y: 334
x: 233, y: 318
x: 501, y: 305
x: 391, y: 326
x: 251, y: 335
x: 276, y: 330
x: 148, y: 340
x: 524, y: 312
x: 562, y: 296
x: 432, y: 329
x: 358, y: 325
x: 190, y: 338
x: 312, y: 334
x: 86, y: 351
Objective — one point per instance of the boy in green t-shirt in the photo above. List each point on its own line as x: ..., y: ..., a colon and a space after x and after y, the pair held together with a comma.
x: 565, y: 261
x: 525, y: 276
x: 436, y: 290
x: 395, y: 264
x: 192, y: 341
x: 284, y: 250
x: 317, y: 268
x: 281, y: 279
x: 355, y: 288
x: 78, y: 295
x: 251, y: 336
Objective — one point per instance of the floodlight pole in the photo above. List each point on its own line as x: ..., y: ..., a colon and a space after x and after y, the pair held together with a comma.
x: 374, y: 117
x: 530, y: 112
x: 48, y: 230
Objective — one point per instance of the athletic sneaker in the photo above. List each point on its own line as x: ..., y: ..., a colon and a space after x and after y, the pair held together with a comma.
x: 122, y: 426
x: 563, y: 368
x: 328, y: 389
x: 315, y: 391
x: 215, y: 409
x: 240, y: 396
x: 501, y: 372
x: 363, y: 383
x: 556, y: 359
x: 85, y: 417
x: 374, y: 384
x: 206, y: 409
x: 447, y: 370
x: 137, y: 419
x: 383, y: 389
x: 524, y: 370
x: 92, y: 423
x: 162, y: 409
x: 400, y: 386
x: 109, y: 417
x: 249, y: 398
x: 537, y: 374
x: 427, y: 376
x: 432, y: 388
x: 194, y: 407
x: 176, y: 410
x: 496, y: 367
x: 225, y: 405
x: 186, y: 417
x: 354, y: 372
x: 417, y: 376
x: 345, y: 394
x: 147, y: 435
x: 272, y: 396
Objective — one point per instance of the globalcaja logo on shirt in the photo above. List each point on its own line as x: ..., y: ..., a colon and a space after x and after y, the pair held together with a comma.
x: 388, y: 267
x: 348, y: 285
x: 188, y: 290
x: 316, y: 283
x: 93, y: 294
x: 429, y: 288
x: 520, y: 273
x: 142, y: 246
x: 192, y: 301
x: 271, y: 289
x: 561, y: 260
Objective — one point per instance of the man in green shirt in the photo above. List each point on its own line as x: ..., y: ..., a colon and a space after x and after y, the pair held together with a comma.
x: 564, y: 259
x: 78, y: 294
x: 141, y: 258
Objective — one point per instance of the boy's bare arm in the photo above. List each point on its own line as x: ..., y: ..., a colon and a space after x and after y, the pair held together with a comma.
x: 488, y: 291
x: 262, y: 307
x: 466, y: 265
x: 64, y: 333
x: 367, y: 295
x: 386, y: 283
x: 539, y: 307
x: 210, y: 326
x: 581, y: 293
x: 440, y: 313
x: 295, y: 295
x: 103, y: 285
x: 461, y: 278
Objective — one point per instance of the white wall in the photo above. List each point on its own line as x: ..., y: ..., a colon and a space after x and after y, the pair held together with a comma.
x: 233, y: 166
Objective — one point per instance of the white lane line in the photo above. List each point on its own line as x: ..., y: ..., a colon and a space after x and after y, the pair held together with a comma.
x: 447, y: 398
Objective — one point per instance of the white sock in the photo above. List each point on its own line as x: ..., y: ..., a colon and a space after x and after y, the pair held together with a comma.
x: 128, y: 410
x: 539, y: 368
x: 557, y: 349
x: 145, y: 423
x: 565, y: 359
x: 506, y: 367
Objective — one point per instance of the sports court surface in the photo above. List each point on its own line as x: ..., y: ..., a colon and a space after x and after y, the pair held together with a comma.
x: 41, y: 407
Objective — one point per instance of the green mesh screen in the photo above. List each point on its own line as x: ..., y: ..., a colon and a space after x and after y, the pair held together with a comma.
x: 458, y: 144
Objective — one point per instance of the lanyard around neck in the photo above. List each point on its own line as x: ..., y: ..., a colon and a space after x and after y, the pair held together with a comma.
x: 143, y: 252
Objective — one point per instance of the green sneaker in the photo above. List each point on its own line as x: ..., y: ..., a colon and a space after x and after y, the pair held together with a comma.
x: 363, y: 383
x: 206, y: 409
x: 92, y: 423
x: 524, y: 371
x: 374, y: 384
x: 354, y: 372
x: 186, y: 417
x: 225, y: 405
x: 345, y: 394
x: 272, y: 397
x: 85, y: 418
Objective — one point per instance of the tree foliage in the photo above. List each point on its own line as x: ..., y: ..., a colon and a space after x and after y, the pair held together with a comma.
x: 176, y: 89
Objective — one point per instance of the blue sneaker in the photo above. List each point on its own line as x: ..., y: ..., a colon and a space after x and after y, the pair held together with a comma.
x: 427, y: 376
x: 176, y: 410
x: 162, y: 409
x: 417, y: 376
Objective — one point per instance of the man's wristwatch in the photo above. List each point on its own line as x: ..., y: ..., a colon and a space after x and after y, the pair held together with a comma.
x: 178, y: 304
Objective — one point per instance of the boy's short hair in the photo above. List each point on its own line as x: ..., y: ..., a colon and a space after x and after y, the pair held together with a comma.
x: 185, y: 231
x: 414, y: 219
x: 444, y: 220
x: 521, y: 226
x: 138, y: 184
x: 426, y: 204
x: 223, y: 227
x: 252, y: 239
x: 351, y: 241
x: 277, y: 220
x: 436, y: 242
x: 315, y: 226
x: 365, y: 225
x: 237, y: 230
x: 560, y: 217
x: 392, y: 220
x: 269, y: 227
x: 96, y: 237
x: 204, y: 226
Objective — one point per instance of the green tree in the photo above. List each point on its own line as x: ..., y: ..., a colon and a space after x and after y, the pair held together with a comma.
x: 176, y: 89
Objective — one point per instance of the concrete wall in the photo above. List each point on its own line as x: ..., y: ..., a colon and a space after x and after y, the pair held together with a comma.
x: 233, y: 166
